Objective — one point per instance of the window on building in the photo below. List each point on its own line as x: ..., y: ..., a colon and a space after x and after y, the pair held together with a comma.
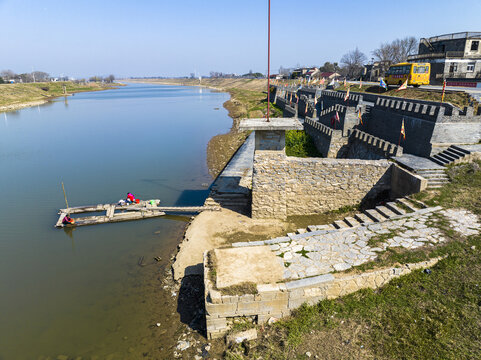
x: 470, y: 67
x: 474, y: 45
x: 453, y: 67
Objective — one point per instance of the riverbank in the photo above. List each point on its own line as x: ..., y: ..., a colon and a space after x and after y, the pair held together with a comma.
x: 18, y: 96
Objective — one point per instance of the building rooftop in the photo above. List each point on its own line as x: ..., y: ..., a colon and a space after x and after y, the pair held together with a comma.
x: 455, y: 36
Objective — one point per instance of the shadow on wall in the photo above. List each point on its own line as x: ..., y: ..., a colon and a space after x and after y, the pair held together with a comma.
x: 378, y: 193
x: 192, y: 198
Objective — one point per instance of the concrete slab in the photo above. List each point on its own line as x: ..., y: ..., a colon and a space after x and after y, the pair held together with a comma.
x: 472, y: 148
x: 257, y: 264
x: 237, y: 175
x: 414, y: 163
x: 273, y: 124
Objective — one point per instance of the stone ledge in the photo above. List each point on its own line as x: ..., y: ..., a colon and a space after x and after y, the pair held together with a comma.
x: 273, y: 124
x: 313, y: 281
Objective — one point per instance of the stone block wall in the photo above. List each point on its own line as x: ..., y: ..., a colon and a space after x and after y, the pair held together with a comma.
x: 284, y: 186
x: 270, y: 140
x: 279, y: 300
x: 269, y: 179
x: 319, y: 185
x: 328, y: 141
x: 404, y: 182
x: 331, y: 97
x: 290, y: 111
x: 386, y: 125
x: 365, y: 146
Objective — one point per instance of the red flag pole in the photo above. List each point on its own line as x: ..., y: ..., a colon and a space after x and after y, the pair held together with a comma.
x: 269, y: 61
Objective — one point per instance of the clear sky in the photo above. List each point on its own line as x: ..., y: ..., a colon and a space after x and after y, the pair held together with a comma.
x: 177, y: 37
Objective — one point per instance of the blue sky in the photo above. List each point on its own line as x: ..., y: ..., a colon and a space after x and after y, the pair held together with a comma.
x: 177, y: 37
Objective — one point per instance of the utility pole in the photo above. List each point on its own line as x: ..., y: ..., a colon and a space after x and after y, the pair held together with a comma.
x: 269, y: 61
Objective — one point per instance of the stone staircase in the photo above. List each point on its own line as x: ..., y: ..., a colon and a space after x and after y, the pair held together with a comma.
x: 436, y: 177
x: 380, y: 213
x: 450, y: 155
x: 239, y: 202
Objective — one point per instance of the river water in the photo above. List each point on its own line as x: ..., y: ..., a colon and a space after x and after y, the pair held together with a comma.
x: 82, y: 292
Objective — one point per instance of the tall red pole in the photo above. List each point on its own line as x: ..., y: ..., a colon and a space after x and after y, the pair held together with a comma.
x: 269, y: 62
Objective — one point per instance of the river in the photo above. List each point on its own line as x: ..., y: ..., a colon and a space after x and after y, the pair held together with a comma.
x: 81, y: 293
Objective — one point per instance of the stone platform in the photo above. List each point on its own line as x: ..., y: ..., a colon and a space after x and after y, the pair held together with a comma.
x: 416, y: 163
x: 314, y: 264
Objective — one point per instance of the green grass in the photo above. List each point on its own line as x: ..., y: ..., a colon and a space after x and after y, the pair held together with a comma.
x: 300, y: 144
x: 416, y: 316
x: 250, y: 104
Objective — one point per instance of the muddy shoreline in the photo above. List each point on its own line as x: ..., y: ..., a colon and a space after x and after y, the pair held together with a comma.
x: 14, y: 107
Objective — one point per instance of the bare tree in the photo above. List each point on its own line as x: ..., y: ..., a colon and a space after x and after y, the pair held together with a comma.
x: 397, y: 51
x: 40, y: 75
x: 26, y: 77
x: 353, y: 63
x: 8, y: 74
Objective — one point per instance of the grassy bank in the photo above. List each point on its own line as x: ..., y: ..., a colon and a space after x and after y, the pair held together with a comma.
x: 20, y: 94
x: 423, y: 315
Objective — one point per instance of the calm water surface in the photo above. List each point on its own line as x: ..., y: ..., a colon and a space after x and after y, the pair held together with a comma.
x: 82, y: 293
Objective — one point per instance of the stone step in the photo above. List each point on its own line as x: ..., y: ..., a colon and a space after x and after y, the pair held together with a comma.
x: 430, y: 179
x: 395, y: 209
x: 434, y: 175
x: 225, y: 202
x: 416, y: 202
x: 441, y: 159
x: 429, y: 171
x: 340, y: 224
x: 351, y: 221
x: 438, y: 181
x: 374, y: 215
x: 439, y: 162
x: 447, y: 157
x: 230, y: 196
x: 363, y: 218
x: 385, y: 211
x: 434, y: 186
x: 453, y: 154
x: 467, y: 152
x: 457, y: 152
x: 406, y: 204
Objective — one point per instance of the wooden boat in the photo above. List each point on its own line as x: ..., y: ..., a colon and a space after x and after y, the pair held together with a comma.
x: 115, y: 213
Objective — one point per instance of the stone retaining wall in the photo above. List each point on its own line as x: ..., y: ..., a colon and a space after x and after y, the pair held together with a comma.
x: 328, y: 141
x: 284, y: 186
x: 365, y: 146
x: 278, y: 300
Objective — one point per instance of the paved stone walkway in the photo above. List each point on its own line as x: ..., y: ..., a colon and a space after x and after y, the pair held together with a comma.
x: 321, y: 252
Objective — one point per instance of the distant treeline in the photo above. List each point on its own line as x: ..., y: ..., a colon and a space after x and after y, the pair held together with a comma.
x: 9, y: 76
